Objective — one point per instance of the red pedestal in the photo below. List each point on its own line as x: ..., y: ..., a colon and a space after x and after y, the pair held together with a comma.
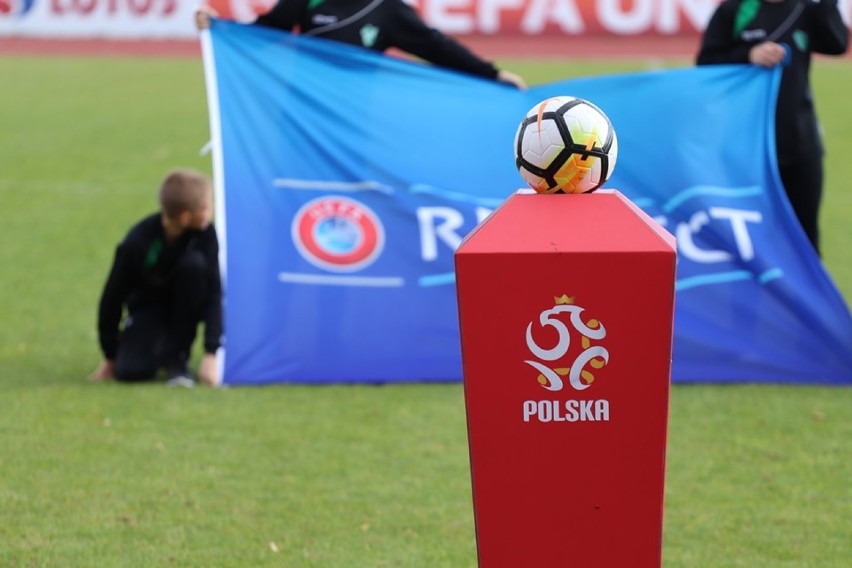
x: 566, y: 305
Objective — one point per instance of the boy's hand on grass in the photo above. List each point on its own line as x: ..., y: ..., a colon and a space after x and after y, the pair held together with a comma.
x: 104, y: 372
x: 208, y: 370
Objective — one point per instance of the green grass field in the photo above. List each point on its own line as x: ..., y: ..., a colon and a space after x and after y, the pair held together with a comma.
x: 108, y: 476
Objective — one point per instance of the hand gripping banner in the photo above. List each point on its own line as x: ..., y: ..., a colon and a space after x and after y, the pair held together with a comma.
x: 346, y: 179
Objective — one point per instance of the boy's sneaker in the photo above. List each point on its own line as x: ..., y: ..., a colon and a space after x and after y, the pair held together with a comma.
x: 180, y: 381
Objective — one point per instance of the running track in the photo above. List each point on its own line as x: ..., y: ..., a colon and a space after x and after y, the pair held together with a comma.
x: 490, y: 47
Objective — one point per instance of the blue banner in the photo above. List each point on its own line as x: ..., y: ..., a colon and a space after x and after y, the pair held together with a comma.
x: 346, y: 179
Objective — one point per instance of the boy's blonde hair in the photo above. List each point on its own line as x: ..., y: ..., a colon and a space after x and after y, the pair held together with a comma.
x: 183, y: 189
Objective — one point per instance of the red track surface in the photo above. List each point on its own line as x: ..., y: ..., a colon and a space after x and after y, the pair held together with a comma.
x: 490, y: 46
x: 561, y: 47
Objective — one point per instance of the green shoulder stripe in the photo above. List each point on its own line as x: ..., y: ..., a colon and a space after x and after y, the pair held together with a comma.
x: 153, y: 254
x: 314, y: 3
x: 745, y: 15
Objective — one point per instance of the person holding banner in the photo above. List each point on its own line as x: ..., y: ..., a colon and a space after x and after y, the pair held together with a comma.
x: 374, y: 24
x: 784, y: 32
x: 165, y: 275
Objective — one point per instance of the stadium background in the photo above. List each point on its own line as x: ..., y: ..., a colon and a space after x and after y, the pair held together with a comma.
x: 536, y: 28
x: 96, y: 475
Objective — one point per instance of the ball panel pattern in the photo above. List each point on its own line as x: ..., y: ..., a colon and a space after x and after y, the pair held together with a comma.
x: 565, y: 144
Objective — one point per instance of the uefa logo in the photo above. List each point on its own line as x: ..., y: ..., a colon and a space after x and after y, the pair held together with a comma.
x: 338, y: 234
x: 17, y: 8
x: 575, y: 353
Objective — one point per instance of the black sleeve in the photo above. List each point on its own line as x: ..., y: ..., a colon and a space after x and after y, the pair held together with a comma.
x: 411, y: 34
x: 718, y: 44
x: 112, y: 301
x: 213, y: 309
x: 829, y: 34
x: 285, y: 15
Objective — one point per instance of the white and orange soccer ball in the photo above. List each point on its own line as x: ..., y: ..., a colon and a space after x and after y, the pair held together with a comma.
x: 565, y: 145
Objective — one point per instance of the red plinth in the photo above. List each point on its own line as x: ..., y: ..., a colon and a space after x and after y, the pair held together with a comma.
x: 566, y: 305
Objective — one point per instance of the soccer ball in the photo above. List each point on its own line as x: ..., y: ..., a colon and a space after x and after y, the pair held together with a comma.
x: 565, y: 145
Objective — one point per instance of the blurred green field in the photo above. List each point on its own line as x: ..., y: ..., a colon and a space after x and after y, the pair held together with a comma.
x: 108, y: 475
